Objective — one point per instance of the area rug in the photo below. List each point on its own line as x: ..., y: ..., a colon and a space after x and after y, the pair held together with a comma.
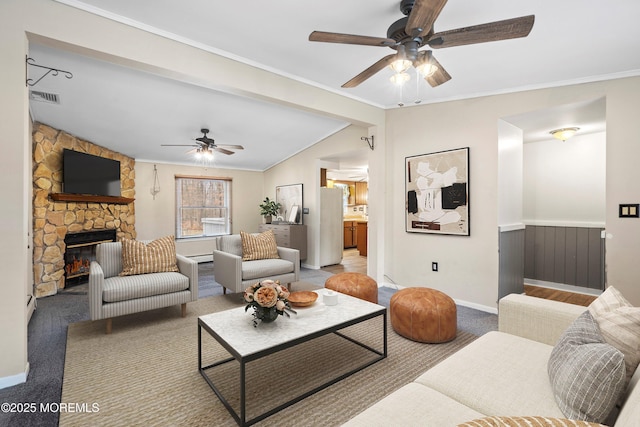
x: 145, y: 372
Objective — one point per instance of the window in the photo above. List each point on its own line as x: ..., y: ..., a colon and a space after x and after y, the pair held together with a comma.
x: 203, y: 207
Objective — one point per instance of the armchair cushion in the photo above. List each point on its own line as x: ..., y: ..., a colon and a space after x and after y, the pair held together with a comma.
x: 143, y: 285
x: 157, y: 256
x: 265, y: 268
x: 259, y: 246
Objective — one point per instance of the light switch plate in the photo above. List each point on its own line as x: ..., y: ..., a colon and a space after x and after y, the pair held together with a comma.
x: 629, y: 210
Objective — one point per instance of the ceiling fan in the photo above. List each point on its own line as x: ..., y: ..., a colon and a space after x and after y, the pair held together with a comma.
x: 415, y: 30
x: 206, y: 146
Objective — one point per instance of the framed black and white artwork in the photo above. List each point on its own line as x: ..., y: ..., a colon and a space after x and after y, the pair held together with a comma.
x: 437, y: 193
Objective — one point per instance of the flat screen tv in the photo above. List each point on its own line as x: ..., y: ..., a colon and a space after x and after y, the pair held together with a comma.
x: 84, y: 173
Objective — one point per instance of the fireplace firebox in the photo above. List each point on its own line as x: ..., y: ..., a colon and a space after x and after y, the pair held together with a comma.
x: 80, y: 251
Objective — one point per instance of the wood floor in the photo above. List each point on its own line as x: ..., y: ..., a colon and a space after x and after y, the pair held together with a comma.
x: 351, y: 261
x: 558, y: 295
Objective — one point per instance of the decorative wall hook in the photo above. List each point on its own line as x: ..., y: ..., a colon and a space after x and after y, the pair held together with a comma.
x: 52, y: 71
x: 156, y: 184
x: 366, y: 138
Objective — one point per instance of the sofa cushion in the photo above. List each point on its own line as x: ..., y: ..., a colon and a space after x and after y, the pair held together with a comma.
x: 155, y: 257
x: 131, y: 287
x: 498, y: 373
x: 265, y: 268
x: 414, y: 405
x: 527, y: 422
x: 619, y: 324
x: 259, y: 246
x: 586, y: 373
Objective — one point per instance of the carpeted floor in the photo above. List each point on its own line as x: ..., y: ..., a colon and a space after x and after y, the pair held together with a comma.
x: 48, y: 337
x: 144, y: 373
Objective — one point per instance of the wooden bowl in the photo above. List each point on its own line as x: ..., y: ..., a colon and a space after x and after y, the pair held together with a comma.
x: 302, y: 298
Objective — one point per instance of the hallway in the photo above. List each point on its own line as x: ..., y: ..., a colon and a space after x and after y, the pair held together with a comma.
x: 351, y: 261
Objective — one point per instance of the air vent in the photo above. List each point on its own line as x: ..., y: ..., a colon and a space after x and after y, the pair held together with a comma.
x: 51, y: 98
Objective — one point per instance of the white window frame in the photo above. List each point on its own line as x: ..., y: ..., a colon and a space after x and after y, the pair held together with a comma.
x: 215, y: 226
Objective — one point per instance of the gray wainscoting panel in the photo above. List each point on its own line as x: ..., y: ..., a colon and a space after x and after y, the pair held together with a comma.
x: 511, y: 247
x: 567, y: 255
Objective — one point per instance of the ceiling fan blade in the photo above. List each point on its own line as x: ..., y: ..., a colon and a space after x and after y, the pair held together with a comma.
x: 492, y: 31
x: 223, y: 151
x: 440, y: 76
x: 370, y: 71
x: 192, y: 151
x: 422, y: 16
x: 322, y: 36
x: 234, y: 147
x: 177, y: 145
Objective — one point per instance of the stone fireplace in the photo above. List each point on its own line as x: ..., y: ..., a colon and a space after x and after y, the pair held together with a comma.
x: 54, y: 219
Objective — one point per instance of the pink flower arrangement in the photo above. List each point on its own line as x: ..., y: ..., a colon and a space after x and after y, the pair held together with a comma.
x: 268, y: 299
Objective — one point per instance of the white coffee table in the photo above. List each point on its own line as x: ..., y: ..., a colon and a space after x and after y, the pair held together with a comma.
x: 234, y: 330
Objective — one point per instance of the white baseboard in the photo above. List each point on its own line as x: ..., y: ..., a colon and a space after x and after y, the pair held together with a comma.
x: 480, y: 307
x: 15, y: 379
x: 563, y: 287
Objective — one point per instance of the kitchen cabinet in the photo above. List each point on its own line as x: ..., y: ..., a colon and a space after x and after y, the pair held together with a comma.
x: 289, y: 236
x: 362, y: 237
x: 350, y: 234
x: 361, y: 193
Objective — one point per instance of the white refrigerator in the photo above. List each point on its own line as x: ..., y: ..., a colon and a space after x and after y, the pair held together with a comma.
x: 331, y: 226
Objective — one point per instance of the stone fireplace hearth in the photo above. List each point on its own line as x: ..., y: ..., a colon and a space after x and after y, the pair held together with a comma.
x: 52, y: 220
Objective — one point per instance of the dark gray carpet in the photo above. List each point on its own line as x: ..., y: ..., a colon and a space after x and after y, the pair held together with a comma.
x: 48, y: 337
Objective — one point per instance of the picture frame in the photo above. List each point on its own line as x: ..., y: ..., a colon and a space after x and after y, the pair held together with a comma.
x: 290, y: 198
x: 437, y: 193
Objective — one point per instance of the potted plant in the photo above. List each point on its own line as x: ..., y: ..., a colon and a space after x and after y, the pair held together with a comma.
x: 268, y: 208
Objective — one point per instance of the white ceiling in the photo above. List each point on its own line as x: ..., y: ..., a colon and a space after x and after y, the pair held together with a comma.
x: 572, y: 41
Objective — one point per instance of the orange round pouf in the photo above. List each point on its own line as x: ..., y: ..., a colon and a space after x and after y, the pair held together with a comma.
x: 423, y: 315
x: 355, y: 284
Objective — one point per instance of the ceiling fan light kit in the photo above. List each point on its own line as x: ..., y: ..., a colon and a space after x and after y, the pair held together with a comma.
x: 205, y: 146
x: 407, y: 35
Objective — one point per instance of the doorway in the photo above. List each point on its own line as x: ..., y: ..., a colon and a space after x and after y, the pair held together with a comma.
x: 556, y: 226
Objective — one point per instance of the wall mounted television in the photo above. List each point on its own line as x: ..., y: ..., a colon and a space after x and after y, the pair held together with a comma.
x: 84, y: 173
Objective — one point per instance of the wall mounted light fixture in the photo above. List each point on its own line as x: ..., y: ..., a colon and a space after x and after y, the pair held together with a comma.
x: 564, y: 133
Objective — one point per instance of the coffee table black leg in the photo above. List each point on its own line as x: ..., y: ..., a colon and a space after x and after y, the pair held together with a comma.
x: 243, y: 394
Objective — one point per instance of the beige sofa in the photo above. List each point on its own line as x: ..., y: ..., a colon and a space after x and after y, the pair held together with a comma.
x: 111, y: 295
x: 501, y: 373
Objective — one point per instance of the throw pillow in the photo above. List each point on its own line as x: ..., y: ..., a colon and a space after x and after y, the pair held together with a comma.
x: 527, y: 422
x: 587, y: 375
x: 155, y: 257
x: 259, y: 246
x: 619, y: 324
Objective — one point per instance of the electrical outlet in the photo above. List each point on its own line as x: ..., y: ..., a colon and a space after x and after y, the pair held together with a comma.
x: 434, y: 266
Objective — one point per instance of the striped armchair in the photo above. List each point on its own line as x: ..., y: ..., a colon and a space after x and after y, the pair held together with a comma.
x: 111, y: 295
x: 234, y: 274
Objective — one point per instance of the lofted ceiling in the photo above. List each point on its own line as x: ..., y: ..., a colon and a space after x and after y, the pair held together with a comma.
x: 572, y: 41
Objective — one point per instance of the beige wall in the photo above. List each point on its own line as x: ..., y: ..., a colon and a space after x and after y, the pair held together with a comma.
x: 469, y: 265
x: 157, y: 218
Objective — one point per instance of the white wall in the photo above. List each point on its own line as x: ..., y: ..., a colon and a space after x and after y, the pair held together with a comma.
x: 510, y: 164
x: 157, y: 218
x: 565, y: 182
